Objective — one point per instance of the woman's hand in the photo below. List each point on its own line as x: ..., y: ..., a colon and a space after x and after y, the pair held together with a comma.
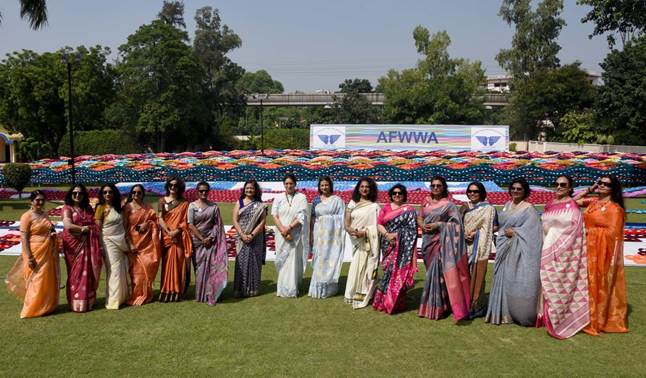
x: 360, y: 234
x: 429, y: 227
x: 143, y: 227
x: 469, y: 236
x: 32, y: 263
x: 391, y: 236
x: 509, y: 232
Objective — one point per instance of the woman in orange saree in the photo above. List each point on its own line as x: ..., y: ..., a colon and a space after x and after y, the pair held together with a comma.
x: 142, y: 230
x: 35, y: 277
x: 176, y: 241
x: 604, y: 223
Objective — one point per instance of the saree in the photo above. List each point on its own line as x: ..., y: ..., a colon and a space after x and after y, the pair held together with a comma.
x: 83, y: 260
x: 249, y: 257
x: 362, y: 276
x: 291, y: 255
x: 516, y: 278
x: 446, y: 285
x: 116, y: 249
x: 210, y: 262
x: 328, y: 246
x: 176, y: 252
x: 604, y: 223
x: 38, y: 287
x: 564, y: 271
x: 481, y: 219
x: 399, y: 262
x: 144, y: 259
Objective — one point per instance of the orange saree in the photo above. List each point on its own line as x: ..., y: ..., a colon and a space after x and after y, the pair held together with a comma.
x: 144, y: 259
x: 604, y: 223
x: 175, y: 251
x: 39, y: 287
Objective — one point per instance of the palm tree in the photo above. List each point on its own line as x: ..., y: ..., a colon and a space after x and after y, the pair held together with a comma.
x: 35, y: 11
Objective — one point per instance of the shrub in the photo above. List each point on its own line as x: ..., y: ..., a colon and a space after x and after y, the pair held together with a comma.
x: 99, y: 142
x: 512, y: 147
x: 283, y: 139
x: 17, y: 175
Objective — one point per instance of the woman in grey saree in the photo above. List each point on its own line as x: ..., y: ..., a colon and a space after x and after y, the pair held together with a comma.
x: 516, y: 278
x: 249, y: 215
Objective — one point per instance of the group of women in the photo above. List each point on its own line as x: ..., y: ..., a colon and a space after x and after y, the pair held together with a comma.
x: 563, y: 271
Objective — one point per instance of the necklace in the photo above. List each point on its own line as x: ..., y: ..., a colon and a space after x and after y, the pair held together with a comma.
x: 289, y: 202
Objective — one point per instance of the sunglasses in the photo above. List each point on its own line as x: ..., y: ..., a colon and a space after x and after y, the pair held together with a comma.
x: 606, y: 184
x: 77, y: 194
x: 172, y: 185
x: 517, y: 189
x: 398, y: 194
x: 561, y: 184
x: 437, y: 186
x: 473, y: 192
x: 203, y: 191
x: 136, y: 192
x: 107, y: 192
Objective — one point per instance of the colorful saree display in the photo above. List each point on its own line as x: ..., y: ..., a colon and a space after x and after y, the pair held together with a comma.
x: 328, y: 246
x: 144, y: 259
x: 516, y: 278
x: 564, y: 271
x: 210, y: 261
x: 291, y: 255
x: 604, y: 222
x: 446, y: 286
x: 362, y: 276
x: 37, y: 287
x: 115, y: 246
x: 83, y: 260
x: 399, y: 261
x: 251, y: 256
x: 176, y: 252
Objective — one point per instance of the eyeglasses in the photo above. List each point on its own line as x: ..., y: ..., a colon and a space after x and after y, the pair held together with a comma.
x: 561, y: 184
x: 517, y: 189
x: 203, y: 191
x: 437, y: 185
x: 473, y: 192
x: 606, y: 184
x: 77, y: 194
x: 106, y: 192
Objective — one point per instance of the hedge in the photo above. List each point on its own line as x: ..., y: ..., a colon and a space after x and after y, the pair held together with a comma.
x: 99, y: 142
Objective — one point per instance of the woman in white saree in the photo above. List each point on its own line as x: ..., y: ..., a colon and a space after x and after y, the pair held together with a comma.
x: 361, y: 224
x: 292, y: 246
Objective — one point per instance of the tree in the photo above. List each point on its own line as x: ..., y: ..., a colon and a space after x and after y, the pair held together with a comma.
x: 356, y: 85
x: 440, y: 89
x: 621, y: 103
x: 35, y: 11
x: 259, y: 82
x: 17, y: 175
x: 579, y: 128
x: 534, y: 46
x: 172, y: 13
x: 624, y: 17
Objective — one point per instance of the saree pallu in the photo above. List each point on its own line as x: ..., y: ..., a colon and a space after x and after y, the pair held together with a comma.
x: 176, y: 253
x: 328, y: 246
x: 480, y: 218
x: 211, y: 261
x: 564, y: 271
x: 115, y: 246
x: 291, y: 255
x: 83, y: 260
x: 399, y: 261
x: 604, y: 223
x: 516, y: 278
x: 38, y: 287
x: 144, y: 260
x: 249, y: 257
x: 362, y: 276
x: 446, y: 285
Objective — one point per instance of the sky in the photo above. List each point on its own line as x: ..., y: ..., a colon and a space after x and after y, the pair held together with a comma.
x: 307, y: 45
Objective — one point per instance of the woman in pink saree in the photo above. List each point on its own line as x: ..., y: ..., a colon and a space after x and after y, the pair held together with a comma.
x: 446, y: 286
x: 564, y: 265
x: 397, y: 225
x: 81, y: 249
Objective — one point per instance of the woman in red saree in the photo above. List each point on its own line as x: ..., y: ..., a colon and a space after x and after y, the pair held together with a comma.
x: 604, y: 223
x: 397, y: 225
x: 142, y: 230
x: 35, y: 277
x: 81, y: 249
x: 176, y: 241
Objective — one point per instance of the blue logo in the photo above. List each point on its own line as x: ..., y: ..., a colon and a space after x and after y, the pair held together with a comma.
x: 329, y: 139
x: 488, y: 140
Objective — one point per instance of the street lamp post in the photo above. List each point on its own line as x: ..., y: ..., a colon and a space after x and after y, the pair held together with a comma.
x: 262, y: 130
x: 66, y: 59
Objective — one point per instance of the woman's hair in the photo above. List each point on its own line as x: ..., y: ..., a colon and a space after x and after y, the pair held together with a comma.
x: 402, y: 188
x: 372, y: 194
x: 328, y: 180
x: 143, y: 192
x: 524, y: 183
x: 116, y: 197
x: 35, y: 195
x: 481, y: 189
x: 181, y: 186
x: 616, y: 194
x: 570, y: 183
x: 445, y: 190
x: 85, y: 199
x: 289, y: 176
x: 258, y: 192
x: 202, y: 183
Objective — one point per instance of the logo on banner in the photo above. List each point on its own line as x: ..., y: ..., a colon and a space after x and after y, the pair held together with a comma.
x: 328, y: 138
x: 487, y: 139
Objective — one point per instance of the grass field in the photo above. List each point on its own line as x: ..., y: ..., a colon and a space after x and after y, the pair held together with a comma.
x: 270, y: 336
